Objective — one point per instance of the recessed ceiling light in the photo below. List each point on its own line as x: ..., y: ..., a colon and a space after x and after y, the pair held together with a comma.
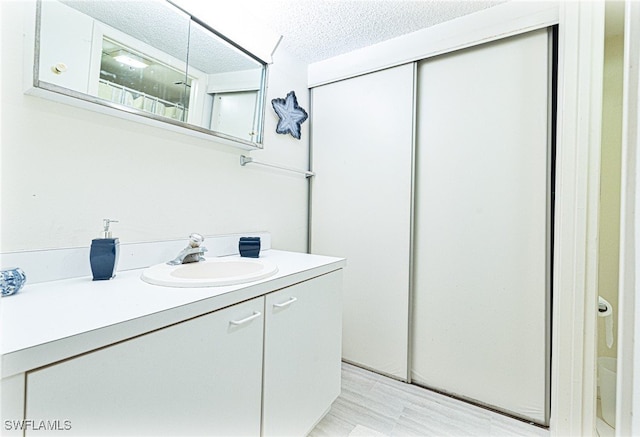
x: 130, y: 59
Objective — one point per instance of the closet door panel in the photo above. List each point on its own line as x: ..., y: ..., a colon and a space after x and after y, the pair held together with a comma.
x: 362, y: 131
x: 481, y: 315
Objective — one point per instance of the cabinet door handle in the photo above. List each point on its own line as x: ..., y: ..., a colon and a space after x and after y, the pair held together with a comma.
x: 285, y: 304
x: 255, y: 315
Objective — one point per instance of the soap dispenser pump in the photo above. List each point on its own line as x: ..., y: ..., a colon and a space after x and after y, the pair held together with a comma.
x: 104, y: 253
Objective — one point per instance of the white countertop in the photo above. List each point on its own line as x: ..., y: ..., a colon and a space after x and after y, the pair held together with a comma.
x: 51, y: 321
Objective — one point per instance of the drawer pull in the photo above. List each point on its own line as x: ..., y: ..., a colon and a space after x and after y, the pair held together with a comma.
x: 285, y: 304
x: 255, y: 315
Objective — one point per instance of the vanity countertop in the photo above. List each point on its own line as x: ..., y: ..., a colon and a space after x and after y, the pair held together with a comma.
x: 51, y: 321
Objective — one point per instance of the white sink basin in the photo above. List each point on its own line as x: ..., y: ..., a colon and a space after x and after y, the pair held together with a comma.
x: 214, y: 272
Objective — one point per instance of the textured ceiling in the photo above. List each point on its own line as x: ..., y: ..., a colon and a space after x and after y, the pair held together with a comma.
x: 314, y: 30
x: 163, y: 27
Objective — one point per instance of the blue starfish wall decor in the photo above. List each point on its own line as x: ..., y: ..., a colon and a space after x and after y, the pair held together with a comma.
x: 291, y: 115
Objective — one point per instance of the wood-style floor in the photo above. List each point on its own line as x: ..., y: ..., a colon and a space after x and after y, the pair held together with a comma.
x: 374, y: 405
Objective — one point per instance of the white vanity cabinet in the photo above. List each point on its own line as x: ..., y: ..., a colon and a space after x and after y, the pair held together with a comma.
x: 199, y: 377
x: 302, y: 354
x: 261, y: 359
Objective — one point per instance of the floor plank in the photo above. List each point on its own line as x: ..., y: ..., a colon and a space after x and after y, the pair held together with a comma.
x: 374, y: 405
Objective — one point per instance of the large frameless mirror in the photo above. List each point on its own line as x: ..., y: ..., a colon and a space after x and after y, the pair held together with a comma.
x: 150, y: 58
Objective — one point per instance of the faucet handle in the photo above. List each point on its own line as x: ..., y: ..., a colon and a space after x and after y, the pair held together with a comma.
x: 195, y: 240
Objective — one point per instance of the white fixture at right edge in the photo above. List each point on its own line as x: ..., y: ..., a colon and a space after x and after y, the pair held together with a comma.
x: 213, y: 272
x: 607, y: 374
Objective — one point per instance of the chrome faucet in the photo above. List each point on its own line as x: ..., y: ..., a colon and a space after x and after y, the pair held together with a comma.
x: 193, y: 253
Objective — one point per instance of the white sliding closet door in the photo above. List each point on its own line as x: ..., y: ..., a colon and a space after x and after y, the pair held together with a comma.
x: 481, y: 315
x: 361, y: 208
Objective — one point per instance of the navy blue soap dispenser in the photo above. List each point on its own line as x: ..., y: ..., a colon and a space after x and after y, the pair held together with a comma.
x: 104, y: 254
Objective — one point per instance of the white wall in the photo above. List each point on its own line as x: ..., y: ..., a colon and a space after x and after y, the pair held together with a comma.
x: 64, y: 168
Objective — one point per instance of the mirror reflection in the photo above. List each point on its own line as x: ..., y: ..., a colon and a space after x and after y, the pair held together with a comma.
x: 171, y: 67
x: 228, y: 99
x: 134, y: 79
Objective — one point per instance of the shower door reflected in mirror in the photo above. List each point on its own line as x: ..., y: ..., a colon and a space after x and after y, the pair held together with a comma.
x: 228, y: 101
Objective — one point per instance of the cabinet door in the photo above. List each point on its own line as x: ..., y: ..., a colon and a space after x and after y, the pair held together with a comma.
x: 65, y: 37
x: 303, y: 332
x: 234, y: 114
x: 199, y: 377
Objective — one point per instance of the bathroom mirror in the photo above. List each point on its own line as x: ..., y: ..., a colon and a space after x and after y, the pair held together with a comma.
x: 151, y: 59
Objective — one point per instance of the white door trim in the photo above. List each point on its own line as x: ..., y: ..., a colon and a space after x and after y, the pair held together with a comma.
x: 628, y: 396
x: 580, y: 63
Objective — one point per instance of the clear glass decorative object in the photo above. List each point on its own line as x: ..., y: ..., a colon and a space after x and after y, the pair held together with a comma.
x: 11, y: 281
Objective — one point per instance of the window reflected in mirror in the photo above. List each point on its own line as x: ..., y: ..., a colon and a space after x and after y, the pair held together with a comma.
x: 135, y: 79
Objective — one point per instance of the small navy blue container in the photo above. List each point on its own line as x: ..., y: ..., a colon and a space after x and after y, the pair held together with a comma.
x: 249, y: 247
x: 104, y: 258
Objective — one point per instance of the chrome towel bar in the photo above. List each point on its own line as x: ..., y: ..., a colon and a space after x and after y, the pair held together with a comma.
x: 244, y: 160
